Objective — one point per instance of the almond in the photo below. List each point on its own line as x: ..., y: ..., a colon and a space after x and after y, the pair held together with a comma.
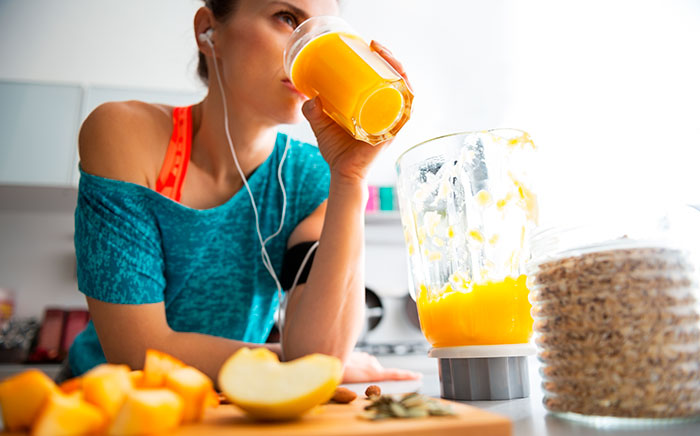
x: 343, y: 395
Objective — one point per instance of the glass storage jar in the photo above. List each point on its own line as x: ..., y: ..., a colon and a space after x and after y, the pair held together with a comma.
x: 617, y: 318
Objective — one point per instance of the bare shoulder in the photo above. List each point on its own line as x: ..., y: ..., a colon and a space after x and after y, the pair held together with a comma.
x: 125, y: 141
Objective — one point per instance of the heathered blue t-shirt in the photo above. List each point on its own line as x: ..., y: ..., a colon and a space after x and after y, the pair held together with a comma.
x: 135, y: 246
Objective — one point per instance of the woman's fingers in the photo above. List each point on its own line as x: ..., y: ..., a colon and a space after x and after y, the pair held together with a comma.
x: 400, y: 374
x: 389, y: 57
x: 363, y: 368
x: 313, y: 112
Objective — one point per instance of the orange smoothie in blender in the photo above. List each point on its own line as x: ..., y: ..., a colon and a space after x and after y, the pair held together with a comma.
x: 357, y: 88
x: 487, y: 313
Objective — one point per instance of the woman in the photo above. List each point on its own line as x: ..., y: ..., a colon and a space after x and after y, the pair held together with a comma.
x: 168, y: 255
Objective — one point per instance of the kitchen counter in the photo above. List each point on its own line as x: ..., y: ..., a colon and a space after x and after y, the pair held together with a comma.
x: 528, y: 415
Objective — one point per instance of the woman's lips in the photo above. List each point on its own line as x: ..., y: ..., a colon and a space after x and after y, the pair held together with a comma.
x: 288, y: 84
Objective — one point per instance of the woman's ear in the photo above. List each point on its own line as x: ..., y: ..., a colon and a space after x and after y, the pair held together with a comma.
x: 204, y: 21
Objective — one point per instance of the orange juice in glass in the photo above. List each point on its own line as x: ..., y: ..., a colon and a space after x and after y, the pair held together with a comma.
x: 358, y: 89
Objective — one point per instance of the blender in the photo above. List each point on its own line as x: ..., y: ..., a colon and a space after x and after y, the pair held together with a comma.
x: 467, y: 209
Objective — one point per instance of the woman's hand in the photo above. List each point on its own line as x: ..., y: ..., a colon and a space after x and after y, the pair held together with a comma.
x: 346, y: 156
x: 363, y: 368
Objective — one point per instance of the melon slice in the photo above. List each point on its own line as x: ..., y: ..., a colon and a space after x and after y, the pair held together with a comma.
x: 136, y: 378
x: 212, y: 399
x: 106, y: 386
x: 68, y: 415
x: 148, y: 411
x: 157, y: 365
x: 71, y: 385
x: 194, y: 387
x: 257, y: 382
x: 22, y: 397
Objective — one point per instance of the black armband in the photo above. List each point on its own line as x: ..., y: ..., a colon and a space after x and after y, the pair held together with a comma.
x: 293, y: 259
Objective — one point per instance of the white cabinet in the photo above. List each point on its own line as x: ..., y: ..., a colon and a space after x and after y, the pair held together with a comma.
x: 38, y: 128
x: 39, y: 125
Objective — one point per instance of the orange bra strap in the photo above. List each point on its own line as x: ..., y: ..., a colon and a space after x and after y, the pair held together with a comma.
x: 172, y: 173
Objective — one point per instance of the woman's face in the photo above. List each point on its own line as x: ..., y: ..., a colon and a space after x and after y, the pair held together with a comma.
x: 251, y: 45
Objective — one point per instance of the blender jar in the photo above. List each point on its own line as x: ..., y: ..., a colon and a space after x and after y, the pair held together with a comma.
x: 467, y: 208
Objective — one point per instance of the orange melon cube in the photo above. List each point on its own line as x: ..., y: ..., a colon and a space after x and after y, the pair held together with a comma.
x: 157, y: 365
x: 212, y: 399
x: 106, y: 386
x: 194, y: 387
x: 71, y: 385
x: 136, y: 377
x: 148, y: 411
x: 68, y: 415
x: 22, y: 397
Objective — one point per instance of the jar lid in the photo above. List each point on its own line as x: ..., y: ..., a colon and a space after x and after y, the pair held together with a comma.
x: 676, y: 227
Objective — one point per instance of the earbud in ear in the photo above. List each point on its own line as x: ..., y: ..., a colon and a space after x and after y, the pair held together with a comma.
x: 206, y: 36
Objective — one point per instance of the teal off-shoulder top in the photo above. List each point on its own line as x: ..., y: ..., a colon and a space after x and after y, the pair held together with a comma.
x: 135, y: 246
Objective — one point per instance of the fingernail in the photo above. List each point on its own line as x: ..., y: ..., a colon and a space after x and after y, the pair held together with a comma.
x: 384, y: 49
x: 377, y: 46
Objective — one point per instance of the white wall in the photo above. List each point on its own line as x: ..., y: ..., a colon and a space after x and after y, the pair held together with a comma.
x: 121, y: 43
x: 37, y: 258
x: 610, y: 92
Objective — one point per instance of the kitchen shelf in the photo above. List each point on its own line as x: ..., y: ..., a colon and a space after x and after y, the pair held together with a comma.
x: 9, y: 369
x: 383, y: 217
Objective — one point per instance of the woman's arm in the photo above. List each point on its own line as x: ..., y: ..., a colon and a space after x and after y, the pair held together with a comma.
x: 127, y: 331
x: 326, y: 314
x: 359, y: 367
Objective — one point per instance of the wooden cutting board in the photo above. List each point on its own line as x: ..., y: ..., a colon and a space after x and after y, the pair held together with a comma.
x: 342, y: 420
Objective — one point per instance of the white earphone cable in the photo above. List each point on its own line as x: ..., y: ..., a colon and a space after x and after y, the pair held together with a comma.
x: 284, y: 195
x: 263, y: 250
x: 267, y: 263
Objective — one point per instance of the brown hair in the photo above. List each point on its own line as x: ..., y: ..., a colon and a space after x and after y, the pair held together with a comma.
x: 222, y: 9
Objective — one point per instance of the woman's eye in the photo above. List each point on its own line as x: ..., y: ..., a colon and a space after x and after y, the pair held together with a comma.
x: 287, y: 18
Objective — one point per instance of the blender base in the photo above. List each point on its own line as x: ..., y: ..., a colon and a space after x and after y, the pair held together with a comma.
x: 484, y: 372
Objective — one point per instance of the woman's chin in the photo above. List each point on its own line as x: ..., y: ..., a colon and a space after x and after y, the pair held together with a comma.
x: 291, y: 116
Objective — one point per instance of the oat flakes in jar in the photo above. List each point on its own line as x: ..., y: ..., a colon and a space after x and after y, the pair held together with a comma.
x: 617, y: 318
